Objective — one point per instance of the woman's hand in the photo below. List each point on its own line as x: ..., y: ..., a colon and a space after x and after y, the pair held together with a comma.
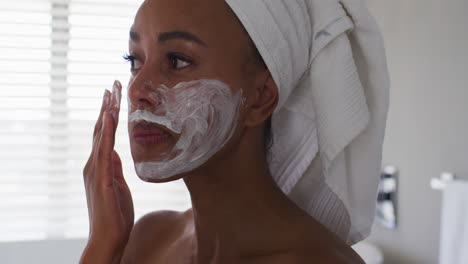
x: 110, y: 205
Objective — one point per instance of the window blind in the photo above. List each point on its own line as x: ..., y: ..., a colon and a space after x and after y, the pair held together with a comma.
x: 56, y: 59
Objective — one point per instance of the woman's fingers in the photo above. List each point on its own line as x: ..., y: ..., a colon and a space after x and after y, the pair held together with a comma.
x: 111, y: 104
x: 105, y: 147
x: 96, y: 133
x: 115, y: 102
x: 104, y: 107
x: 118, y: 171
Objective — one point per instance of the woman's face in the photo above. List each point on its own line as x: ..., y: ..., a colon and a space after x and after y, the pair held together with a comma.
x: 172, y: 44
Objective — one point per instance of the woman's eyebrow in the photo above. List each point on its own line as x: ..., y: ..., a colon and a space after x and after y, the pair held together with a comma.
x: 134, y: 36
x: 166, y: 36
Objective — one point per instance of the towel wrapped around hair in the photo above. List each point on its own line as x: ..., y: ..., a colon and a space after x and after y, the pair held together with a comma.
x: 328, y: 60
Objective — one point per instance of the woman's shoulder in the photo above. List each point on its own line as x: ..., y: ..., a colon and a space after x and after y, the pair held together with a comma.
x: 332, y: 251
x: 315, y: 246
x: 151, y: 233
x: 162, y: 222
x: 312, y: 256
x: 157, y: 219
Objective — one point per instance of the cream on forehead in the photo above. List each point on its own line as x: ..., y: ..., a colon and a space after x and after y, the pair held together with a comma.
x: 203, y: 112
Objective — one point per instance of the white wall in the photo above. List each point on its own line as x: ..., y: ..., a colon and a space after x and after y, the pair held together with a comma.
x: 427, y: 130
x: 50, y: 252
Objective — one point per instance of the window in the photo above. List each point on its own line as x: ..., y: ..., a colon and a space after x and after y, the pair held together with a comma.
x: 56, y: 59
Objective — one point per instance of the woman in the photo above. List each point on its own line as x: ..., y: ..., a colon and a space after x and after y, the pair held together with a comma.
x: 201, y: 100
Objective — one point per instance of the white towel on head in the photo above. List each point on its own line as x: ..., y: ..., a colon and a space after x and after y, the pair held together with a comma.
x: 328, y: 61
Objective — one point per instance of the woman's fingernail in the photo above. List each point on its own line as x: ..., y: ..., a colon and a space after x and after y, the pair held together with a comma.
x: 104, y: 101
x: 103, y: 122
x: 115, y: 95
x: 108, y: 99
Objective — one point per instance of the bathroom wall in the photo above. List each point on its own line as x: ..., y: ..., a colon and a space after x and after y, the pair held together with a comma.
x: 427, y: 129
x: 46, y: 251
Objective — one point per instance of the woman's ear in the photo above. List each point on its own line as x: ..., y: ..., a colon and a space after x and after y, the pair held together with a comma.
x: 263, y: 102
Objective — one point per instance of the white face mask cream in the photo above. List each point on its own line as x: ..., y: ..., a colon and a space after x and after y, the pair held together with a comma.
x: 203, y: 112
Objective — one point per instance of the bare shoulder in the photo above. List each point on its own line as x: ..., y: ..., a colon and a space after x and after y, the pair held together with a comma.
x: 332, y: 256
x: 150, y: 234
x: 156, y: 223
x: 326, y: 256
x: 334, y: 253
x: 322, y: 246
x: 313, y: 248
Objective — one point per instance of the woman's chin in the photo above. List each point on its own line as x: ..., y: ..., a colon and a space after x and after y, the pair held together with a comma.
x: 148, y: 149
x: 154, y: 177
x: 152, y: 155
x: 168, y: 169
x: 149, y: 178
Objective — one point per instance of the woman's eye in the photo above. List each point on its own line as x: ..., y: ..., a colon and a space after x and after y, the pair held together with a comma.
x: 178, y: 62
x: 134, y: 62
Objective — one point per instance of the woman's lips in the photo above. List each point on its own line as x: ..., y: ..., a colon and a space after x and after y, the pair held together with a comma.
x: 149, y: 135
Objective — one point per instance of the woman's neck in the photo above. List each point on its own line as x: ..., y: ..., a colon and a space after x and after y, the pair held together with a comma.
x: 238, y: 210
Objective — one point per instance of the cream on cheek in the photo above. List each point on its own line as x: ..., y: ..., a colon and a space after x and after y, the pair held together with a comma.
x: 203, y: 112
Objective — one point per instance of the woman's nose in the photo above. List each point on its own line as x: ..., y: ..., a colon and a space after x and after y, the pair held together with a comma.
x: 142, y: 94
